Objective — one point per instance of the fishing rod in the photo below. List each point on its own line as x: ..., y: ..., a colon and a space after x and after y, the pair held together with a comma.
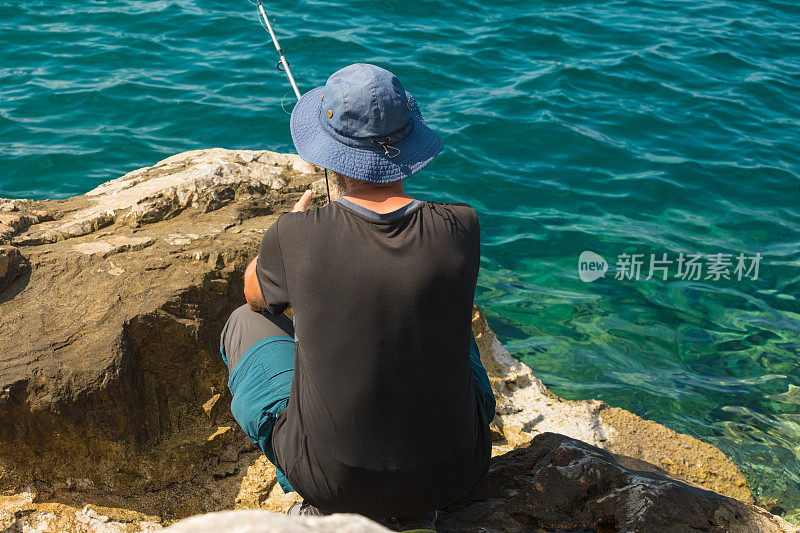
x: 285, y: 64
x: 278, y: 48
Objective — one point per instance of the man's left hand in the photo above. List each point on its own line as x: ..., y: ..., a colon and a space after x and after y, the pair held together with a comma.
x: 302, y: 203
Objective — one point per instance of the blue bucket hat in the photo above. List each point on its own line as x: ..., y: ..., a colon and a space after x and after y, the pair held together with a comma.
x: 363, y: 124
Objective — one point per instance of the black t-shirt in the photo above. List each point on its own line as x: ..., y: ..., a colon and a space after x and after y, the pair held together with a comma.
x: 383, y: 417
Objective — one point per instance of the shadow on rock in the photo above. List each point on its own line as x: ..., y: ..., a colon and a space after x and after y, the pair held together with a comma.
x: 15, y: 273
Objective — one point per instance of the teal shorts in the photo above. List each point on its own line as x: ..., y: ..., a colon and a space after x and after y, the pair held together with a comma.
x: 260, y: 384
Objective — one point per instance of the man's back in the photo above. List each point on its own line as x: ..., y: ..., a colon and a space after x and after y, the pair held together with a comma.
x: 383, y: 415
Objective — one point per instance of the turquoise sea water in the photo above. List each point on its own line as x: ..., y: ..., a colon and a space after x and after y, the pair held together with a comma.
x: 641, y: 126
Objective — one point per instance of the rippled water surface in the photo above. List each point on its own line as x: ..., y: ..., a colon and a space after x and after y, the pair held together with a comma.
x: 642, y: 126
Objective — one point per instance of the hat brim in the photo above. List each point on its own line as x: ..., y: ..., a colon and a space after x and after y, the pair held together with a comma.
x: 316, y: 146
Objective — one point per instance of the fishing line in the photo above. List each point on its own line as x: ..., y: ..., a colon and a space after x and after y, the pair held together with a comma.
x: 282, y: 100
x: 264, y: 20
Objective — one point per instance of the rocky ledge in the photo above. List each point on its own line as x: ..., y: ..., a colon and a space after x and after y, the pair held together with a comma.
x: 114, y: 410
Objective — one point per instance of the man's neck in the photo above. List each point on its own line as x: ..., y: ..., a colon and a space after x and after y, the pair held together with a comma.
x: 379, y: 198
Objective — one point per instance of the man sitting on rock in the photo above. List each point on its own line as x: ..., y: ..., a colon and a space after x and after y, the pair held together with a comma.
x: 373, y: 400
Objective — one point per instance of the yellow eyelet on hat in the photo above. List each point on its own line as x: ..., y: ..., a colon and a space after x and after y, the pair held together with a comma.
x: 330, y: 113
x: 408, y: 106
x: 323, y: 97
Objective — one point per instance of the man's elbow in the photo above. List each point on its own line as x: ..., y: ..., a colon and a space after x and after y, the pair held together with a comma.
x: 256, y: 307
x: 254, y: 299
x: 252, y: 292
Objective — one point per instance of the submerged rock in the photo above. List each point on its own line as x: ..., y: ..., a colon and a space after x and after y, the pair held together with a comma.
x: 526, y: 408
x: 112, y: 391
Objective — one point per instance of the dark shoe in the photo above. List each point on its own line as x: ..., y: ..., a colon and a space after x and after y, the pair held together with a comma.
x: 304, y: 509
x: 416, y: 527
x: 412, y: 524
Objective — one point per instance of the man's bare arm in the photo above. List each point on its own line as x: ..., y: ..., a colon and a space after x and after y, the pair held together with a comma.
x: 252, y: 291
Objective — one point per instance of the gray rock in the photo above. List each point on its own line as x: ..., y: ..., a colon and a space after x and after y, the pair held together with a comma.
x: 257, y: 521
x: 559, y: 483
